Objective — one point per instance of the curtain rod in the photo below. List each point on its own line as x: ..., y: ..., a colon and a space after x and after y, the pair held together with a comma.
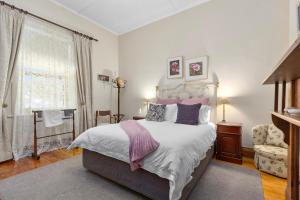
x: 46, y: 20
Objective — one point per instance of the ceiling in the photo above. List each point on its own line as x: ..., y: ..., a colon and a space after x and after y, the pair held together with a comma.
x: 122, y: 16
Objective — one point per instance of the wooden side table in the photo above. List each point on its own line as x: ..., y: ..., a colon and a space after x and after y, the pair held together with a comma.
x: 138, y: 117
x: 229, y: 142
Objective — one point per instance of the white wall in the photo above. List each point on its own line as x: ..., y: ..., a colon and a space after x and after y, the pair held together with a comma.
x: 243, y: 39
x: 293, y: 20
x: 105, y: 51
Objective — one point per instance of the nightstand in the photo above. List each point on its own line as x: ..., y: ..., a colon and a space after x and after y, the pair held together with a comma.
x: 229, y: 145
x: 138, y: 117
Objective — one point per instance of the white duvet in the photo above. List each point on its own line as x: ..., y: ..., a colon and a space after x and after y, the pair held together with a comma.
x: 181, y: 149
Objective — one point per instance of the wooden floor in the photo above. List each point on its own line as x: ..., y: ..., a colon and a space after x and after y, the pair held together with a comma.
x: 274, y: 187
x: 11, y: 168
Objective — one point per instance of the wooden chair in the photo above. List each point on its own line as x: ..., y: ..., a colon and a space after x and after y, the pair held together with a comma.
x: 118, y: 119
x: 103, y: 113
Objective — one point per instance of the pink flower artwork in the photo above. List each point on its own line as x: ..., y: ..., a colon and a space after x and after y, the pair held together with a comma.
x: 174, y: 67
x: 196, y: 69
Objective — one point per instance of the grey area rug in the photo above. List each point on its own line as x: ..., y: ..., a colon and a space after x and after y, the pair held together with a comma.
x: 68, y: 180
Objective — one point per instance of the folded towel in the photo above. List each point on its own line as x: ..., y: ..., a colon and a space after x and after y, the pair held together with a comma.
x: 53, y: 118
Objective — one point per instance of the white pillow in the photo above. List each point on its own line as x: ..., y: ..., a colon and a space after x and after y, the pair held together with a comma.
x: 204, y: 114
x: 171, y: 112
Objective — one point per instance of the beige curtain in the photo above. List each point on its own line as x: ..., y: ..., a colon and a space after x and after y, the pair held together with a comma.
x: 11, y: 22
x: 83, y: 52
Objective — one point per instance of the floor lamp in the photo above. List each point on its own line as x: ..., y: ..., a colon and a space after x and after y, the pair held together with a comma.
x: 119, y: 83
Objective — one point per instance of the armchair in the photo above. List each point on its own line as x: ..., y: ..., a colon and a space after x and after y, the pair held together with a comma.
x: 270, y: 150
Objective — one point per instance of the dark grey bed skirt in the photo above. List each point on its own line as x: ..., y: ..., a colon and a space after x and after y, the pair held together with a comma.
x: 141, y: 181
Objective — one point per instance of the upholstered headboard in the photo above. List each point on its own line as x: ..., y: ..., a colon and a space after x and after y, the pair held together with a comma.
x: 191, y: 90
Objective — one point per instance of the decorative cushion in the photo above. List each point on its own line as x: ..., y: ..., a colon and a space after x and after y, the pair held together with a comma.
x: 156, y: 112
x: 260, y: 134
x: 272, y: 152
x: 167, y: 101
x: 171, y: 112
x: 275, y: 137
x: 191, y: 101
x: 188, y: 114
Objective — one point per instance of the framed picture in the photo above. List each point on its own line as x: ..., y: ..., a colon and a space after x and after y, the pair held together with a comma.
x: 175, y: 67
x: 196, y: 69
x: 102, y: 77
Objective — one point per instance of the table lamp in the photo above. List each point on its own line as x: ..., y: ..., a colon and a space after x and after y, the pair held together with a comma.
x: 224, y: 101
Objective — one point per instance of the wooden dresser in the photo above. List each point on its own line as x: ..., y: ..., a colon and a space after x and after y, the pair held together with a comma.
x: 229, y: 139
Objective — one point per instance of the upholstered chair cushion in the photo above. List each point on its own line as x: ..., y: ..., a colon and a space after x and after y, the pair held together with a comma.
x: 260, y: 134
x: 275, y: 137
x: 272, y: 152
x: 275, y: 167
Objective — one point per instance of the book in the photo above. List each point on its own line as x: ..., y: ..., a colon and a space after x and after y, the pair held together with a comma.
x: 292, y: 111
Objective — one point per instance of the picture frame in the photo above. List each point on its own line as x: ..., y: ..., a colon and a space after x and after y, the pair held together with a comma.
x: 103, y: 78
x: 196, y: 69
x: 174, y: 67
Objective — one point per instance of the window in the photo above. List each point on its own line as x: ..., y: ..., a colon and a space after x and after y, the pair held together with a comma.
x: 46, y: 66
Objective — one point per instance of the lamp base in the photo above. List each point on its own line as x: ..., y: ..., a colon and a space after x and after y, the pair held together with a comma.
x: 223, y: 120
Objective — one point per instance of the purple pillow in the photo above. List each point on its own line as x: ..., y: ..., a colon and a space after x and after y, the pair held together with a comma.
x: 188, y: 114
x: 167, y: 101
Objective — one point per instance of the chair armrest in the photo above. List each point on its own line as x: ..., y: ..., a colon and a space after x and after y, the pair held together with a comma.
x: 259, y: 134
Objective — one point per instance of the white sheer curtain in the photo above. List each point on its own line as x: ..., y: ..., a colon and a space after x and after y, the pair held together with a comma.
x: 46, y: 80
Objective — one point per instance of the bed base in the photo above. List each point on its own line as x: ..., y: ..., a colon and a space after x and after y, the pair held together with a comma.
x: 141, y: 181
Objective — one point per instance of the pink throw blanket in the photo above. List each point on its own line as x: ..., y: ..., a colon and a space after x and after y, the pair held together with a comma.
x: 141, y: 143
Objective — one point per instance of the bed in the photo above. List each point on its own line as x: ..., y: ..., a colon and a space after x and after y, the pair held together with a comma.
x: 170, y: 172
